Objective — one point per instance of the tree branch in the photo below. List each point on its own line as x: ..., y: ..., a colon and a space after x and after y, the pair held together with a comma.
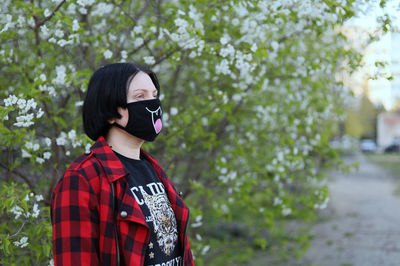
x: 17, y: 173
x: 40, y: 23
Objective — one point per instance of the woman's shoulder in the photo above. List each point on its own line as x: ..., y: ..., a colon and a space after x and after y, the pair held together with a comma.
x: 86, y: 165
x: 84, y: 171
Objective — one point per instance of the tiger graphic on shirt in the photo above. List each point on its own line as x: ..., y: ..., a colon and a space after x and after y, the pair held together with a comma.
x: 163, y: 220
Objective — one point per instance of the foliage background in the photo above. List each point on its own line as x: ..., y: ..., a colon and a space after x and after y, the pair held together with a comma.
x: 250, y: 99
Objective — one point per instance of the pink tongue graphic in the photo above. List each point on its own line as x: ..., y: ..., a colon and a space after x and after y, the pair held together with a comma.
x: 158, y: 125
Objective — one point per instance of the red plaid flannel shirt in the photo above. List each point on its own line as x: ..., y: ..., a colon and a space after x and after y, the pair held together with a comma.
x: 83, y: 219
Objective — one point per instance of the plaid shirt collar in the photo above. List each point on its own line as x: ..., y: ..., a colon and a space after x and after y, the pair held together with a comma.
x: 110, y: 162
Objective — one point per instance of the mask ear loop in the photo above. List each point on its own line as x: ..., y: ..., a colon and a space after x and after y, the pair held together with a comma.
x: 118, y: 125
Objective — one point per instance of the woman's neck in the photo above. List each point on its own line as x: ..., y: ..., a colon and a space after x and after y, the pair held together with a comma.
x: 124, y: 143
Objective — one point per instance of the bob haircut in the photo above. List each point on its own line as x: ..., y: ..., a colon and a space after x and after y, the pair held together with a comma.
x: 106, y: 92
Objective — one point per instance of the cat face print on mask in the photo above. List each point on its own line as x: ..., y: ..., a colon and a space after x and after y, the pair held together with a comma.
x: 145, y: 119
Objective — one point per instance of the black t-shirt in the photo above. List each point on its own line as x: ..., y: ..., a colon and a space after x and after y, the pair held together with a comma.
x: 150, y: 194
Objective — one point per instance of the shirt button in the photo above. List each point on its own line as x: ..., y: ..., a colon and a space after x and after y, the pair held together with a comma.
x: 124, y: 214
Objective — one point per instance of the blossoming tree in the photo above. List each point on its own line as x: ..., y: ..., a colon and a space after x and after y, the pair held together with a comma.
x: 250, y: 101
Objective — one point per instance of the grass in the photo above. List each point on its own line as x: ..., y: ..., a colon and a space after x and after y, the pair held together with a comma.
x: 391, y: 162
x: 349, y: 234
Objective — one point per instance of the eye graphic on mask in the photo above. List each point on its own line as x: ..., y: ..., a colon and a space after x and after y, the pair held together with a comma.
x: 156, y: 119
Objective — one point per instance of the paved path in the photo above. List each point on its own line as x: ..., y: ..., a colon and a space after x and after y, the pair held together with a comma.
x: 362, y: 225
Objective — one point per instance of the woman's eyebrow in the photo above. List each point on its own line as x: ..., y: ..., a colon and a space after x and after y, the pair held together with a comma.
x: 155, y: 90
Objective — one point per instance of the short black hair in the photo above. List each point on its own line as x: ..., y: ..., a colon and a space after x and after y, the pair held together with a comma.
x: 106, y: 92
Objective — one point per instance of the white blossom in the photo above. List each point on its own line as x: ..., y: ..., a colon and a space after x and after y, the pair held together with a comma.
x: 181, y: 23
x: 124, y: 54
x: 25, y: 154
x: 35, y: 210
x: 8, y: 23
x: 224, y: 208
x: 59, y: 33
x: 26, y: 105
x: 138, y: 29
x: 23, y: 242
x: 149, y: 60
x: 192, y: 54
x: 24, y: 120
x: 138, y: 41
x: 205, y: 249
x: 21, y: 20
x: 61, y: 140
x: 21, y: 103
x: 224, y: 39
x: 63, y: 42
x: 39, y: 160
x: 254, y: 47
x: 31, y: 22
x: 173, y: 111
x: 72, y: 134
x: 39, y: 197
x: 102, y: 9
x: 35, y: 147
x: 10, y: 100
x: 275, y: 45
x: 222, y: 67
x: 87, y: 148
x: 45, y: 31
x: 198, y: 237
x: 237, y: 97
x: 82, y: 10
x: 39, y: 113
x: 17, y: 211
x: 198, y: 222
x: 107, y: 54
x: 43, y: 77
x: 277, y: 201
x: 47, y: 13
x: 47, y: 155
x: 47, y: 141
x: 286, y: 211
x: 75, y: 25
x: 29, y: 145
x: 85, y: 2
x: 227, y: 51
x: 61, y: 75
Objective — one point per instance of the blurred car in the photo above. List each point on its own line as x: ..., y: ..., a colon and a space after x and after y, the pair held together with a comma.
x: 367, y: 145
x: 392, y: 148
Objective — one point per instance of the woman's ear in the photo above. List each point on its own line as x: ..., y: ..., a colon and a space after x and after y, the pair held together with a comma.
x: 124, y: 117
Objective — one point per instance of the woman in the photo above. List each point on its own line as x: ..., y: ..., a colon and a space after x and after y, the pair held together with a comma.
x: 115, y: 205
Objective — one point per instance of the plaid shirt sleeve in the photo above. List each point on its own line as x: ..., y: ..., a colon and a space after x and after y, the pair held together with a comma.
x: 75, y: 221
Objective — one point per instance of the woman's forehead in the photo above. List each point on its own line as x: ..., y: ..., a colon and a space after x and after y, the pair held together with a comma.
x: 141, y: 81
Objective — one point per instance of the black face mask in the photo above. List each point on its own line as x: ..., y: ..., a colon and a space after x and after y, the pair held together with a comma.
x: 145, y: 119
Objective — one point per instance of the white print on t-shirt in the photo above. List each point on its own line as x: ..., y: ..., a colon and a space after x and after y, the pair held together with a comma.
x: 174, y: 262
x: 155, y: 188
x: 164, y: 221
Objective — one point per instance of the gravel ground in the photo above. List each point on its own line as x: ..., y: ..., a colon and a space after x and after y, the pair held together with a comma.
x: 361, y: 226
